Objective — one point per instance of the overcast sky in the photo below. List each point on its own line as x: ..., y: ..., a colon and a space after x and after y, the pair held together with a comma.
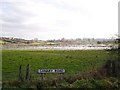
x: 54, y: 19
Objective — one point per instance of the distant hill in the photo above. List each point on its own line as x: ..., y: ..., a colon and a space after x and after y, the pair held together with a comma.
x: 84, y: 41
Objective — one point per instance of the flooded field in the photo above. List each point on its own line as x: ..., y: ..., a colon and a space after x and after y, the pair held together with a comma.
x: 79, y: 47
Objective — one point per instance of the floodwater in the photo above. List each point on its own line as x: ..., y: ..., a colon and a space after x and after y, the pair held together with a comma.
x: 80, y: 47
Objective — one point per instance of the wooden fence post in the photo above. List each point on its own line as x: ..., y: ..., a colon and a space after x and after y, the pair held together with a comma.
x: 27, y: 72
x: 20, y: 74
x: 113, y: 68
x: 117, y: 68
x: 109, y: 66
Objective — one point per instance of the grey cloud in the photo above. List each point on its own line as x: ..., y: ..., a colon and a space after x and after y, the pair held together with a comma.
x: 14, y: 17
x: 8, y: 27
x: 12, y: 14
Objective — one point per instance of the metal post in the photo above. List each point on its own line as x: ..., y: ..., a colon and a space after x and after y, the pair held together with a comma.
x: 42, y: 76
x: 61, y: 76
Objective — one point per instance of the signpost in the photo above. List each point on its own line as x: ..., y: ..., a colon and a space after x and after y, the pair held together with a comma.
x: 43, y: 71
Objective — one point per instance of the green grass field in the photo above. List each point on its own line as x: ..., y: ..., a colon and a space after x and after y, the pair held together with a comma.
x: 73, y: 61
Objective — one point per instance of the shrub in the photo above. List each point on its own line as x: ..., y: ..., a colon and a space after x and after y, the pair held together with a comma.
x: 40, y: 85
x: 82, y: 84
x: 63, y: 85
x: 102, y: 83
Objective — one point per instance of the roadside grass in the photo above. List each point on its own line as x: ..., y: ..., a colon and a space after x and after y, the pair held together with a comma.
x: 105, y: 83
